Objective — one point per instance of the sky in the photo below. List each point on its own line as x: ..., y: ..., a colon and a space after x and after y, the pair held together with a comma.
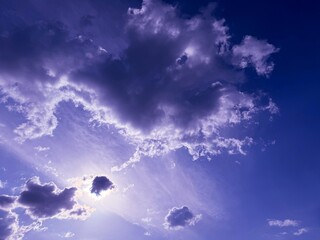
x: 159, y: 119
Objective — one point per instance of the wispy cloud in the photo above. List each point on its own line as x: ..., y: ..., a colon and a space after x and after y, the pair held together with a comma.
x: 282, y: 223
x: 300, y: 231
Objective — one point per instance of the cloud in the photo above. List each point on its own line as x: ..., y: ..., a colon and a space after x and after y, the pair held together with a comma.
x: 300, y: 231
x: 67, y: 235
x: 283, y: 223
x: 101, y: 183
x: 179, y: 218
x: 172, y: 82
x: 8, y: 224
x: 46, y: 200
x: 41, y: 149
x: 2, y: 184
x: 254, y: 52
x: 6, y: 201
x: 11, y: 229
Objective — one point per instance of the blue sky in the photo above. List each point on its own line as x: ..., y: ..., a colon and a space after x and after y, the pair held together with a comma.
x: 159, y: 120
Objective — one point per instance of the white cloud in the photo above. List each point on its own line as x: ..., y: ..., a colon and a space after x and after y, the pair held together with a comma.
x: 68, y: 235
x: 254, y: 52
x: 41, y: 148
x: 2, y: 184
x: 282, y: 223
x: 300, y: 231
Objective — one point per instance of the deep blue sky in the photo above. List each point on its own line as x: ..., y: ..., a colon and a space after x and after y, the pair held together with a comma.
x: 159, y: 105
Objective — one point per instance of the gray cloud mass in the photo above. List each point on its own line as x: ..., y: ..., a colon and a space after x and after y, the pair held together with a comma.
x: 101, y: 183
x: 6, y: 201
x: 166, y: 83
x: 44, y: 201
x: 180, y: 217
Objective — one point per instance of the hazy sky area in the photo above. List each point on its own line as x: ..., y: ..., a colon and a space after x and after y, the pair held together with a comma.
x: 159, y: 120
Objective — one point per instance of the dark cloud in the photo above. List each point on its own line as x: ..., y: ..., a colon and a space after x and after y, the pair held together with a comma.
x: 42, y: 52
x: 46, y: 200
x: 169, y: 71
x: 153, y: 75
x: 6, y: 201
x: 178, y: 218
x: 8, y: 224
x: 156, y: 73
x: 101, y: 183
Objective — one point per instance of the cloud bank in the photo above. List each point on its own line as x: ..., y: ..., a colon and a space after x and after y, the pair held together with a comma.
x: 172, y: 83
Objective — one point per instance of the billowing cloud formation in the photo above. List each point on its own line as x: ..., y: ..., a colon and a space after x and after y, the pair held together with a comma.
x: 46, y: 200
x: 172, y: 82
x: 6, y: 201
x: 283, y: 223
x: 101, y: 183
x: 178, y: 218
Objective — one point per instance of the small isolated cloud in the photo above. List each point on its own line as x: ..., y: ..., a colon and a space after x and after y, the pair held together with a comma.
x: 101, y: 183
x: 46, y: 200
x: 179, y: 218
x: 282, y: 223
x: 256, y: 53
x: 41, y: 148
x: 300, y: 231
x: 2, y: 184
x: 6, y: 201
x: 67, y: 235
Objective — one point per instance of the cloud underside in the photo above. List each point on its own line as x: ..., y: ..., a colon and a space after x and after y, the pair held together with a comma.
x: 100, y: 184
x: 173, y: 84
x: 40, y: 202
x: 179, y: 218
x: 8, y: 224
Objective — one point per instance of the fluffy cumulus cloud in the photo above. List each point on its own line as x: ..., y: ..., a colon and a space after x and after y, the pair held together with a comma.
x: 179, y: 218
x: 100, y: 184
x: 41, y: 202
x: 283, y: 223
x: 170, y: 83
x: 47, y: 201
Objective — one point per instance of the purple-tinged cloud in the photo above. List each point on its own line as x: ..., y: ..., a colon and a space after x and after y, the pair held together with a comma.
x: 6, y: 201
x: 8, y: 224
x: 100, y: 184
x: 300, y: 231
x: 179, y: 218
x: 46, y: 200
x: 172, y: 83
x: 283, y: 223
x: 256, y: 53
